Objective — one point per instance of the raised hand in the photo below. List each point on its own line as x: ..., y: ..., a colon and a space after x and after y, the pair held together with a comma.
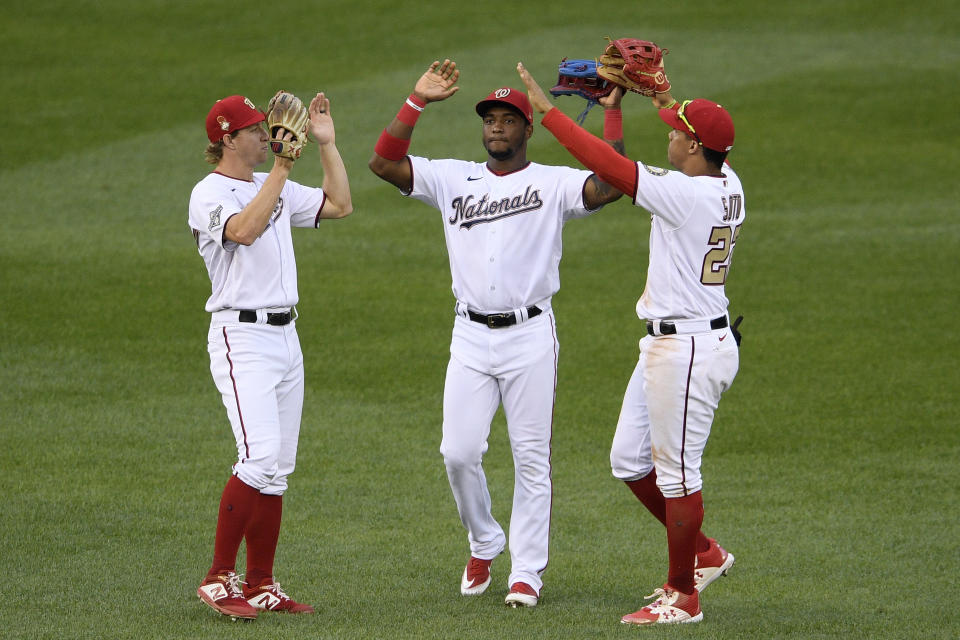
x: 537, y: 97
x: 612, y: 99
x: 438, y: 82
x: 321, y: 122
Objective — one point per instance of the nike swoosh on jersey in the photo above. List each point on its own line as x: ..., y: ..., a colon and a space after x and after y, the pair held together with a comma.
x: 472, y: 179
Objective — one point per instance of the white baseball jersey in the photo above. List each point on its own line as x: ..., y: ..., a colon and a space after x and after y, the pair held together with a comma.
x: 264, y: 274
x: 695, y: 224
x: 668, y: 408
x: 503, y: 233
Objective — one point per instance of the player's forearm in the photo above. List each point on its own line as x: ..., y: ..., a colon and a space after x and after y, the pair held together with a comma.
x: 613, y: 129
x: 245, y: 227
x: 335, y: 185
x: 664, y: 100
x: 400, y: 128
x: 389, y: 154
x: 594, y: 153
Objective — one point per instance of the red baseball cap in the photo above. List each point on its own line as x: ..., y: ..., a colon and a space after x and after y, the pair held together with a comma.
x: 231, y: 114
x: 505, y: 95
x: 706, y: 122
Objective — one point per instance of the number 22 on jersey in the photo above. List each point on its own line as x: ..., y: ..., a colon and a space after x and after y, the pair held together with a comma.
x: 722, y: 239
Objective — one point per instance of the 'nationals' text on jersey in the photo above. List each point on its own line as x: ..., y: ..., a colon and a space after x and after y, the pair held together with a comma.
x: 514, y: 262
x: 464, y: 210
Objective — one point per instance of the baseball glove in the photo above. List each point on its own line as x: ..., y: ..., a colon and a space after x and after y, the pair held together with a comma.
x: 287, y: 112
x: 636, y: 65
x: 579, y: 78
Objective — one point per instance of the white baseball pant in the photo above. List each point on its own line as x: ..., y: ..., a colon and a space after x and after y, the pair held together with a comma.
x: 668, y: 408
x: 258, y: 370
x: 515, y: 366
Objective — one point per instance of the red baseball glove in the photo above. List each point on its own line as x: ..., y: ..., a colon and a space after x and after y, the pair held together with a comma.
x: 636, y: 65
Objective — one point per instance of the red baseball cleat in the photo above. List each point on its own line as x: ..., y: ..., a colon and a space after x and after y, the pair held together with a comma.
x: 670, y: 607
x: 222, y: 593
x: 270, y: 597
x: 476, y: 577
x: 711, y: 564
x: 521, y: 595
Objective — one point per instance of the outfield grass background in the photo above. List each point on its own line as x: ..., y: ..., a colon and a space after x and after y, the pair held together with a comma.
x: 831, y: 469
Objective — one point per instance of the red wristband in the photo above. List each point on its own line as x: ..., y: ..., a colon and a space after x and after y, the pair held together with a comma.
x: 411, y: 110
x: 612, y: 124
x: 391, y: 147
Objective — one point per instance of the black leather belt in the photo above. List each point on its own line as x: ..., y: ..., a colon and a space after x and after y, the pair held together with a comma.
x: 497, y: 320
x: 668, y: 328
x: 276, y: 319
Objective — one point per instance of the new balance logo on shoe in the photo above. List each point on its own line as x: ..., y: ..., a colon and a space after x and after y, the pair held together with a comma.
x: 266, y: 601
x: 222, y: 594
x: 270, y: 597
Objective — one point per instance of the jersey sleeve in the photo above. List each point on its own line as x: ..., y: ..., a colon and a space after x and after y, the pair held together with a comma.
x: 210, y: 208
x: 571, y: 187
x: 305, y: 204
x: 669, y: 195
x: 427, y: 179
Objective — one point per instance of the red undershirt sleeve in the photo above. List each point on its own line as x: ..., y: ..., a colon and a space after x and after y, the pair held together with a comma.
x: 594, y: 153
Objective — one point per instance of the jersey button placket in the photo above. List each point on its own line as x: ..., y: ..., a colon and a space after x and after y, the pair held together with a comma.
x: 494, y: 275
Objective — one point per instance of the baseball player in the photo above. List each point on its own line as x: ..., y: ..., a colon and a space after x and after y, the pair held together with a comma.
x: 502, y: 221
x: 242, y: 221
x: 690, y: 355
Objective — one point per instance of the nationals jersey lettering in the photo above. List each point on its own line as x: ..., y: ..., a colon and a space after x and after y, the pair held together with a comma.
x: 465, y: 210
x: 515, y: 262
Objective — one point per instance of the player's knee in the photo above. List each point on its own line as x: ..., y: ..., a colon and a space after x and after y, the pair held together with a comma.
x: 457, y: 456
x: 678, y: 487
x: 629, y: 467
x: 255, y: 475
x: 262, y: 466
x: 533, y: 470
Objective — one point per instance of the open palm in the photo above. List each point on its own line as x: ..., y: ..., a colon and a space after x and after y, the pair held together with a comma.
x: 438, y: 82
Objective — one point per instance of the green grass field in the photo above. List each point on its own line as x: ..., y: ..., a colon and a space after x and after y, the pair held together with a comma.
x: 831, y: 469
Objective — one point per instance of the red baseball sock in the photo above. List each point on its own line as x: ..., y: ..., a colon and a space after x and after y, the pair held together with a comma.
x: 684, y: 517
x: 648, y: 493
x: 236, y: 506
x: 262, y: 535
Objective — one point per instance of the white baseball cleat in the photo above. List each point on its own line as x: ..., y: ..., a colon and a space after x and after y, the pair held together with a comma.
x: 222, y: 593
x: 711, y: 564
x: 521, y: 595
x: 476, y: 577
x: 670, y: 607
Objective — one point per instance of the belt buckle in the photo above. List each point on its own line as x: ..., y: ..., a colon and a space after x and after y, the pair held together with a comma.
x: 496, y: 320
